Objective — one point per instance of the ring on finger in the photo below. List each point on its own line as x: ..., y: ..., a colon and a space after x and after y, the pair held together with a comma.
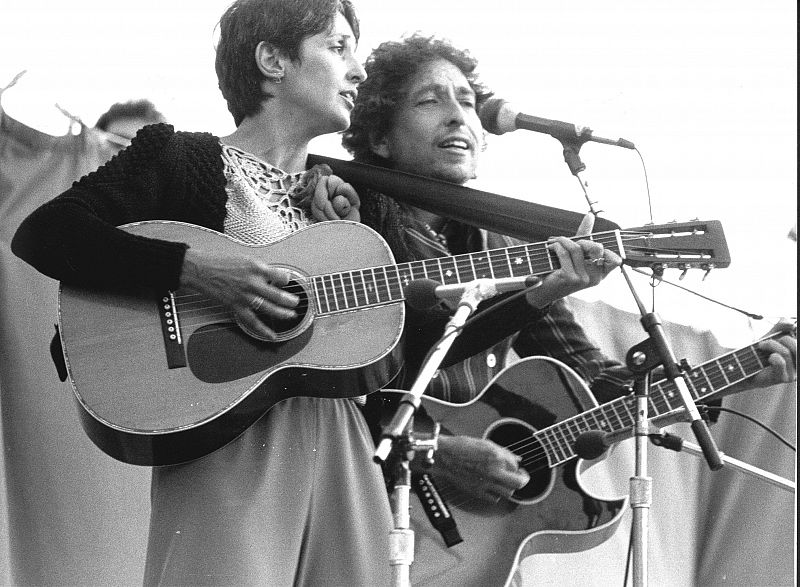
x: 256, y: 304
x: 600, y: 261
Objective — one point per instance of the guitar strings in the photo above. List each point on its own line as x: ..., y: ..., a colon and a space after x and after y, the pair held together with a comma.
x: 198, y: 311
x: 536, y: 457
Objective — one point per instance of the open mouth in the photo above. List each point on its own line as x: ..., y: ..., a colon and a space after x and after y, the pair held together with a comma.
x: 349, y: 97
x: 456, y: 144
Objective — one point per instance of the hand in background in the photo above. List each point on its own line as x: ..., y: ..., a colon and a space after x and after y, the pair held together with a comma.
x: 478, y: 467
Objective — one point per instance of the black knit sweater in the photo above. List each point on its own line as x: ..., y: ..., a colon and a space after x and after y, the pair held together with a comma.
x: 168, y: 175
x: 163, y: 175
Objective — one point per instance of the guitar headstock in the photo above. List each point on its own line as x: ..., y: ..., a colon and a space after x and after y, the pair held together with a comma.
x: 698, y: 244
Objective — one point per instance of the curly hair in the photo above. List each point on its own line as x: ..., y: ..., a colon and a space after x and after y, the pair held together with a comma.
x: 284, y: 25
x: 390, y: 68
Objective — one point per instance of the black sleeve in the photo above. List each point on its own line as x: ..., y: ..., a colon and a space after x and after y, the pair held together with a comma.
x: 73, y: 238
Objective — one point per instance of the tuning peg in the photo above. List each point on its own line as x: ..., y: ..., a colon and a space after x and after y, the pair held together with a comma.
x: 684, y: 270
x: 707, y: 267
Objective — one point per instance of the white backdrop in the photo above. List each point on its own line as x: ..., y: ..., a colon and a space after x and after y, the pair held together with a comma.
x: 707, y: 91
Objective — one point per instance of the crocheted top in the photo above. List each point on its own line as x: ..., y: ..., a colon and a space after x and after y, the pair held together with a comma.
x: 260, y: 207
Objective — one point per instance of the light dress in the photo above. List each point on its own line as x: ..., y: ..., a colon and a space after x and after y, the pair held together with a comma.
x: 296, y: 499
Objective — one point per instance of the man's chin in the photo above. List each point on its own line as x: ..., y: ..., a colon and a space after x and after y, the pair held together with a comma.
x: 451, y: 174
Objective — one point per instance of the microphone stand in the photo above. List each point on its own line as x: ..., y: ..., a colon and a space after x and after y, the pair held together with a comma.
x: 678, y: 444
x: 572, y: 147
x: 641, y: 359
x: 397, y: 446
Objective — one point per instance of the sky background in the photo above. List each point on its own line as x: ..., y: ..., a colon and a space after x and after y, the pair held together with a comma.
x: 706, y: 90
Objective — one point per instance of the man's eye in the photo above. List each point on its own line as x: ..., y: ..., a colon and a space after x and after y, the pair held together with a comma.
x: 338, y: 49
x: 425, y: 101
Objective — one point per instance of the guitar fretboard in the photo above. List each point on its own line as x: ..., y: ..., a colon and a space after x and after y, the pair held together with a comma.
x: 337, y: 292
x: 664, y: 399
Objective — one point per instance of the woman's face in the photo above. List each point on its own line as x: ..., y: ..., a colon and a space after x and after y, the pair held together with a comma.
x: 321, y: 85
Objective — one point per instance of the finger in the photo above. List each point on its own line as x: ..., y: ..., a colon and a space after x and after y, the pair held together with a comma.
x: 276, y: 275
x: 575, y: 253
x: 273, y: 309
x: 349, y: 192
x: 586, y: 225
x: 561, y: 254
x: 341, y: 206
x: 322, y: 203
x: 250, y: 322
x: 279, y: 298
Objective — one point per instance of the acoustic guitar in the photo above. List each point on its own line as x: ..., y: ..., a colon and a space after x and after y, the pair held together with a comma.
x: 163, y: 377
x: 537, y: 408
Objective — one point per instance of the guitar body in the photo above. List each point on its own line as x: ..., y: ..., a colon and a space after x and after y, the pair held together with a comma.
x: 148, y: 400
x: 553, y: 513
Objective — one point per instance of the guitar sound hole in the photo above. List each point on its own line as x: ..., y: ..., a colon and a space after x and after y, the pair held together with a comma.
x: 283, y: 326
x: 519, y: 439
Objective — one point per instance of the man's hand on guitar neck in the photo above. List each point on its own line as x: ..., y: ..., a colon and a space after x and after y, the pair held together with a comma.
x: 477, y: 467
x: 782, y: 360
x: 583, y: 264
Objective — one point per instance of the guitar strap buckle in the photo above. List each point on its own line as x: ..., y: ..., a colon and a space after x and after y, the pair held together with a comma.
x: 436, y: 509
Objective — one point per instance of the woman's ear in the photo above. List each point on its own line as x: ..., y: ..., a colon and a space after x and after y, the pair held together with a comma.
x: 270, y: 61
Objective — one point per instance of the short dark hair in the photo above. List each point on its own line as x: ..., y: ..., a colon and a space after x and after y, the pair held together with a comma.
x: 390, y: 68
x: 143, y: 109
x: 281, y: 23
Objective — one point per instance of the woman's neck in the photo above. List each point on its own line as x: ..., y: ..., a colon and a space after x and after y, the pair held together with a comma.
x: 271, y: 141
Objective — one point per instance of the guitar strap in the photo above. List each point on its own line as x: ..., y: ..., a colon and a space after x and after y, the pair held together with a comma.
x: 436, y: 509
x: 522, y: 219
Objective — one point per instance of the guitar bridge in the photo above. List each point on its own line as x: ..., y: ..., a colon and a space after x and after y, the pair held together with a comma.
x: 170, y: 329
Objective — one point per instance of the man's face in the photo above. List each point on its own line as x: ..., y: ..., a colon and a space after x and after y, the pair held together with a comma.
x: 436, y: 131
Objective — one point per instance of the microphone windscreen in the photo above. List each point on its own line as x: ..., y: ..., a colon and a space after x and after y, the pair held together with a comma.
x: 489, y: 115
x: 590, y: 445
x: 421, y: 294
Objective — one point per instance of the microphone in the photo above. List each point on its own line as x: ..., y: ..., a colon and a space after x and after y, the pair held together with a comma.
x: 591, y: 445
x: 498, y: 117
x: 423, y: 294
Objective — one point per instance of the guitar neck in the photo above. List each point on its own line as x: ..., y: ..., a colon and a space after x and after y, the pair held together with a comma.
x: 373, y: 286
x: 664, y: 399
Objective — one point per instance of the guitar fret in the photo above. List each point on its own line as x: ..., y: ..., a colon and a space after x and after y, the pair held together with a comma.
x: 668, y: 391
x: 343, y: 292
x: 550, y: 256
x: 732, y: 369
x: 612, y: 406
x: 652, y: 404
x: 721, y: 371
x: 695, y: 375
x: 598, y: 423
x: 330, y: 292
x: 375, y: 284
x: 359, y: 288
x: 547, y: 444
x: 560, y: 445
x: 507, y: 257
x: 317, y: 296
x: 449, y: 271
x: 483, y: 269
x: 465, y: 269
